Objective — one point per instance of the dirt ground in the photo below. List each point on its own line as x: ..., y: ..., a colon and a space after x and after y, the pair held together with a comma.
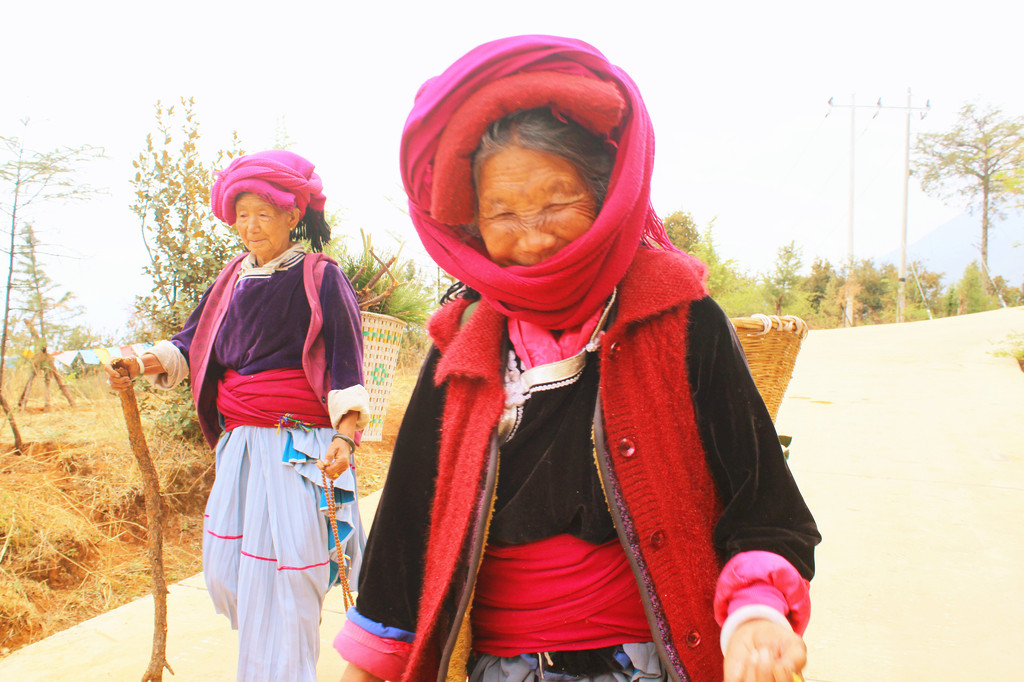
x: 72, y: 511
x: 373, y: 458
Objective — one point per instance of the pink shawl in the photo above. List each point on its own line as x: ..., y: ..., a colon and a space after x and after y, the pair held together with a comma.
x: 568, y: 288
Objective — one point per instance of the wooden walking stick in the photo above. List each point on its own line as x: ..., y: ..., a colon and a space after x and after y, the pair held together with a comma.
x: 151, y: 488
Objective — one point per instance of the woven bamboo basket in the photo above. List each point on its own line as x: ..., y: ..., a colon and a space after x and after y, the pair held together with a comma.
x: 382, y: 339
x: 771, y: 344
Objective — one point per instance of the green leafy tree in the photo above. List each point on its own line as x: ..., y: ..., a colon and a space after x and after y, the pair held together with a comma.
x: 970, y: 294
x: 816, y: 285
x: 835, y: 297
x: 781, y: 284
x: 84, y: 336
x: 821, y: 296
x: 976, y: 161
x: 924, y: 293
x: 1011, y: 296
x: 735, y: 291
x: 731, y: 287
x: 47, y: 314
x: 282, y: 140
x: 31, y: 177
x: 1012, y: 180
x: 682, y: 230
x: 187, y: 245
x: 47, y: 319
x: 875, y: 299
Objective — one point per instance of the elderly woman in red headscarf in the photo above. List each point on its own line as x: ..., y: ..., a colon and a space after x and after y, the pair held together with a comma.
x: 587, y: 484
x: 274, y: 354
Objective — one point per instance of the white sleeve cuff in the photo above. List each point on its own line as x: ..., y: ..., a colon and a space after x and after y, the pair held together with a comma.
x: 351, y: 399
x: 749, y: 612
x: 174, y: 364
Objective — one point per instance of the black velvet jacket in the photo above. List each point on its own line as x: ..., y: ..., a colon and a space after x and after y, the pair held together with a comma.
x: 732, y: 424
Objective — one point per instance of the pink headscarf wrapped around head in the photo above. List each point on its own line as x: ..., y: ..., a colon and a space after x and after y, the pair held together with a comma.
x: 569, y: 287
x: 277, y: 176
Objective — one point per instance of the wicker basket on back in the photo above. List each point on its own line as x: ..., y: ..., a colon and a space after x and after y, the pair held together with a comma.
x: 382, y: 340
x: 771, y: 344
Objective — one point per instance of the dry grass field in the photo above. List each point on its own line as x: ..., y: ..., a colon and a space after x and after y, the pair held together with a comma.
x: 72, y: 511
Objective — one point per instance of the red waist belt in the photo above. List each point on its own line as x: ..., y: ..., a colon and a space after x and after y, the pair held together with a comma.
x: 561, y: 593
x: 264, y: 398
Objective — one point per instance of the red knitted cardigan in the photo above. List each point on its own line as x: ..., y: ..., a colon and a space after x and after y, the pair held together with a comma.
x: 658, y: 482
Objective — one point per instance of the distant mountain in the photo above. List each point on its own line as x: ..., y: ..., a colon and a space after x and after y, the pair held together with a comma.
x: 950, y: 247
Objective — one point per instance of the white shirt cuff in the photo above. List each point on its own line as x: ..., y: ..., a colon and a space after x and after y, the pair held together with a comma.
x: 174, y: 363
x: 351, y: 399
x: 749, y: 612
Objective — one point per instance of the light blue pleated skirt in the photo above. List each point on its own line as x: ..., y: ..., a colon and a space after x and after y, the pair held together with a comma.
x: 268, y: 554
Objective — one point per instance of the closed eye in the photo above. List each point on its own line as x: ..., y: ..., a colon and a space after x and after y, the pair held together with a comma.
x: 502, y: 217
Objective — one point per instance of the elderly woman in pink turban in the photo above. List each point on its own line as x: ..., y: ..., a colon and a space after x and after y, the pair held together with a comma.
x: 274, y: 355
x: 586, y: 484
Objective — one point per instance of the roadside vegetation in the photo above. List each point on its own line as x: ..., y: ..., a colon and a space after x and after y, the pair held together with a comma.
x: 1013, y: 346
x: 818, y: 294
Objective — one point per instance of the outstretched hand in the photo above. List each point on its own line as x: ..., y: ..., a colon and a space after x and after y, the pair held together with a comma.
x: 763, y: 651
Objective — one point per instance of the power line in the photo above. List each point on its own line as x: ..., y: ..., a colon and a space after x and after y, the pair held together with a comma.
x: 877, y: 107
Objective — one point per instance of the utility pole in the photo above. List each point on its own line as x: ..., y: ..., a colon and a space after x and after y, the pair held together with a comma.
x: 852, y: 106
x: 878, y: 106
x: 848, y: 310
x: 901, y: 298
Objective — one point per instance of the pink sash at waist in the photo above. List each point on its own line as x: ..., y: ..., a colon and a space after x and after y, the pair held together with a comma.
x: 262, y: 399
x: 557, y: 594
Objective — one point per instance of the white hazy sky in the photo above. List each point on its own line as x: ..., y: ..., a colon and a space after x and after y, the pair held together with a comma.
x: 737, y: 92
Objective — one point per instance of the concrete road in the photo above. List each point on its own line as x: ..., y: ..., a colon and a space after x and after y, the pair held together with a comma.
x: 909, y: 447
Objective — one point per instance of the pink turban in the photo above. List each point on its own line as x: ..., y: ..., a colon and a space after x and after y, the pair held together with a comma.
x: 491, y: 81
x: 277, y: 176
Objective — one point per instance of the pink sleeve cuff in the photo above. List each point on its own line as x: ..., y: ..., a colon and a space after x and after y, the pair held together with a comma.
x: 385, y: 658
x: 766, y: 579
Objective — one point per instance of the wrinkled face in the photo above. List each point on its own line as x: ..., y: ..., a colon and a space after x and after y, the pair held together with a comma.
x: 530, y: 205
x: 264, y: 228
